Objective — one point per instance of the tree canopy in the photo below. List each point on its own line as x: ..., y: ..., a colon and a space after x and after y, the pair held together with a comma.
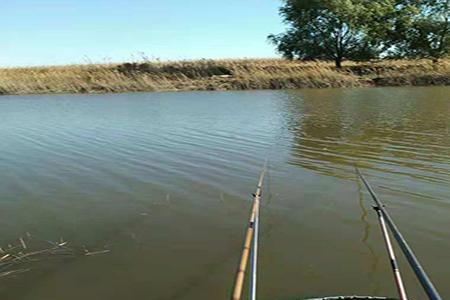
x: 428, y: 33
x: 363, y: 29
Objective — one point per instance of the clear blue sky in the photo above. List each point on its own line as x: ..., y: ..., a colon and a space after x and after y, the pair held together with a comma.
x: 44, y: 32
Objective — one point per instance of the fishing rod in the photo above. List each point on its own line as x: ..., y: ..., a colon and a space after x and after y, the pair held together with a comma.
x: 250, y: 236
x: 387, y: 240
x: 424, y: 280
x: 254, y: 257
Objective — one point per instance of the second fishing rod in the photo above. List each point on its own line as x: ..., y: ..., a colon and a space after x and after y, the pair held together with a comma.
x: 384, y: 217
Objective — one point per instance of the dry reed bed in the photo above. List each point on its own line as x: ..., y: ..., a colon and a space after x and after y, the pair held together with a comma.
x: 219, y: 75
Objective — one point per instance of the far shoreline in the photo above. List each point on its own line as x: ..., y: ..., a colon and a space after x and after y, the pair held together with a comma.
x: 219, y: 75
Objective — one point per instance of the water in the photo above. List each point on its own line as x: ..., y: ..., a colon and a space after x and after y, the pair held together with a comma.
x: 164, y: 181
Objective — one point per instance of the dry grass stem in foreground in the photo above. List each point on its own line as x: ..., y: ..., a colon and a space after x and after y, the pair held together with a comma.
x: 20, y: 256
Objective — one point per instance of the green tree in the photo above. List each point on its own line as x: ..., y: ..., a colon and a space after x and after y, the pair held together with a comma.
x: 412, y: 28
x: 388, y: 22
x: 327, y: 29
x: 428, y: 35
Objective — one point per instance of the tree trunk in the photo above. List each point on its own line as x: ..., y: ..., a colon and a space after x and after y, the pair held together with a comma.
x: 338, y: 62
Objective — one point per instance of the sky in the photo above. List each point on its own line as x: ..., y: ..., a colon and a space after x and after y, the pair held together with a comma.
x: 49, y: 32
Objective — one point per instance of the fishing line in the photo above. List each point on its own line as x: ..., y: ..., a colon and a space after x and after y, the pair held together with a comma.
x: 384, y: 216
x: 364, y: 240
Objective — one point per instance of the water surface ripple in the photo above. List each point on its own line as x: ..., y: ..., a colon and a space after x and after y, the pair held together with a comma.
x: 164, y: 181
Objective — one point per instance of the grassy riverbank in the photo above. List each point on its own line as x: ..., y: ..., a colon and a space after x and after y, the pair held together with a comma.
x: 219, y: 75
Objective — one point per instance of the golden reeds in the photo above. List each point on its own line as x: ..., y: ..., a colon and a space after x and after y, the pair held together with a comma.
x: 240, y: 74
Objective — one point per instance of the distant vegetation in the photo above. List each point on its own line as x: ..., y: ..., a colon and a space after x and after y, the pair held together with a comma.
x: 360, y: 30
x: 220, y: 75
x: 328, y: 43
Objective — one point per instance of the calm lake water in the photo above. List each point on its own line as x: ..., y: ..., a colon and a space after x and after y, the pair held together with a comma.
x: 164, y: 180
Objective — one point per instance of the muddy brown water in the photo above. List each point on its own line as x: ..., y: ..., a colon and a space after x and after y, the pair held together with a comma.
x: 164, y: 181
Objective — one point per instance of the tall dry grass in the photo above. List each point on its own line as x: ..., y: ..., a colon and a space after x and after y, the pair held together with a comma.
x: 218, y: 75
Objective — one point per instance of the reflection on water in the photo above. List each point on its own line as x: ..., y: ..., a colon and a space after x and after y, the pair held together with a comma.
x: 400, y: 136
x: 387, y: 130
x: 164, y: 180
